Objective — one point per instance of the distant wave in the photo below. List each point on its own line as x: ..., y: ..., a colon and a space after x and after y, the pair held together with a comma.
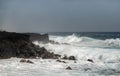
x: 86, y: 41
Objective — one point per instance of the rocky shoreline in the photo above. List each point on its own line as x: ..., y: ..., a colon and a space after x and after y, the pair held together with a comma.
x: 20, y: 45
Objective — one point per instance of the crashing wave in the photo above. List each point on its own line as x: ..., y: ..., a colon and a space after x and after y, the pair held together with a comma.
x: 86, y: 41
x: 85, y: 47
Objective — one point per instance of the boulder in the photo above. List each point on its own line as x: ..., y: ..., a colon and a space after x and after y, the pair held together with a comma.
x: 72, y: 58
x: 23, y: 61
x: 48, y: 55
x: 65, y: 57
x: 68, y: 58
x: 26, y: 61
x: 57, y: 56
x: 90, y: 60
x: 68, y: 68
x: 60, y: 61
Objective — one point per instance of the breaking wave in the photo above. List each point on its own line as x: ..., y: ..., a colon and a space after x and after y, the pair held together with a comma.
x: 86, y: 41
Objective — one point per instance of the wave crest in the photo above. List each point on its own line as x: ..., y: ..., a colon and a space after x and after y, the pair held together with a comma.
x: 86, y: 41
x: 70, y: 39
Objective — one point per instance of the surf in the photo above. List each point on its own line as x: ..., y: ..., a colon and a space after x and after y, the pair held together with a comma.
x: 84, y: 48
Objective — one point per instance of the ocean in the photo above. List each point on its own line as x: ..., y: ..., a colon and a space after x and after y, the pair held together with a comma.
x: 102, y: 47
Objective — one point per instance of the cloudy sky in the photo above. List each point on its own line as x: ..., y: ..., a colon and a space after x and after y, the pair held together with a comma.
x: 60, y: 15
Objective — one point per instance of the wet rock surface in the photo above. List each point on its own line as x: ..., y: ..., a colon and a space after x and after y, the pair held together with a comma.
x: 72, y: 58
x: 90, y: 60
x: 68, y: 68
x: 65, y: 57
x: 26, y: 61
x: 60, y: 61
x: 69, y: 58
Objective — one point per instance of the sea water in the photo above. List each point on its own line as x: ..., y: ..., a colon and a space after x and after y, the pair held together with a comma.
x: 103, y: 48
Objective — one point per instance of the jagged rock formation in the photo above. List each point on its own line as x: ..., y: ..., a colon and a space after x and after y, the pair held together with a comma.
x: 19, y: 45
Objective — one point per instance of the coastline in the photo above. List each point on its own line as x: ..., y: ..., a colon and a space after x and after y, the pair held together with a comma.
x: 20, y: 45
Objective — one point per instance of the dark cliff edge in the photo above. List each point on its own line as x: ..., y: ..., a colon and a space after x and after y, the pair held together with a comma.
x: 38, y: 37
x: 20, y: 45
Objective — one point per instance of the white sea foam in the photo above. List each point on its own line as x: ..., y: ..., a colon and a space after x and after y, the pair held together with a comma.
x: 49, y: 67
x: 85, y: 48
x: 104, y: 53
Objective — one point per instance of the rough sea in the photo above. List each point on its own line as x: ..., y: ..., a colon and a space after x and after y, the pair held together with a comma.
x: 102, y: 47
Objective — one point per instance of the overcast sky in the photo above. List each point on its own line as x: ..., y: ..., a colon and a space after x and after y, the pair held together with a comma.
x: 60, y: 15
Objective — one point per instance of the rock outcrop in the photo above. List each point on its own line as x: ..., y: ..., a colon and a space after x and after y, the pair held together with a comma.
x: 38, y: 37
x: 19, y: 45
